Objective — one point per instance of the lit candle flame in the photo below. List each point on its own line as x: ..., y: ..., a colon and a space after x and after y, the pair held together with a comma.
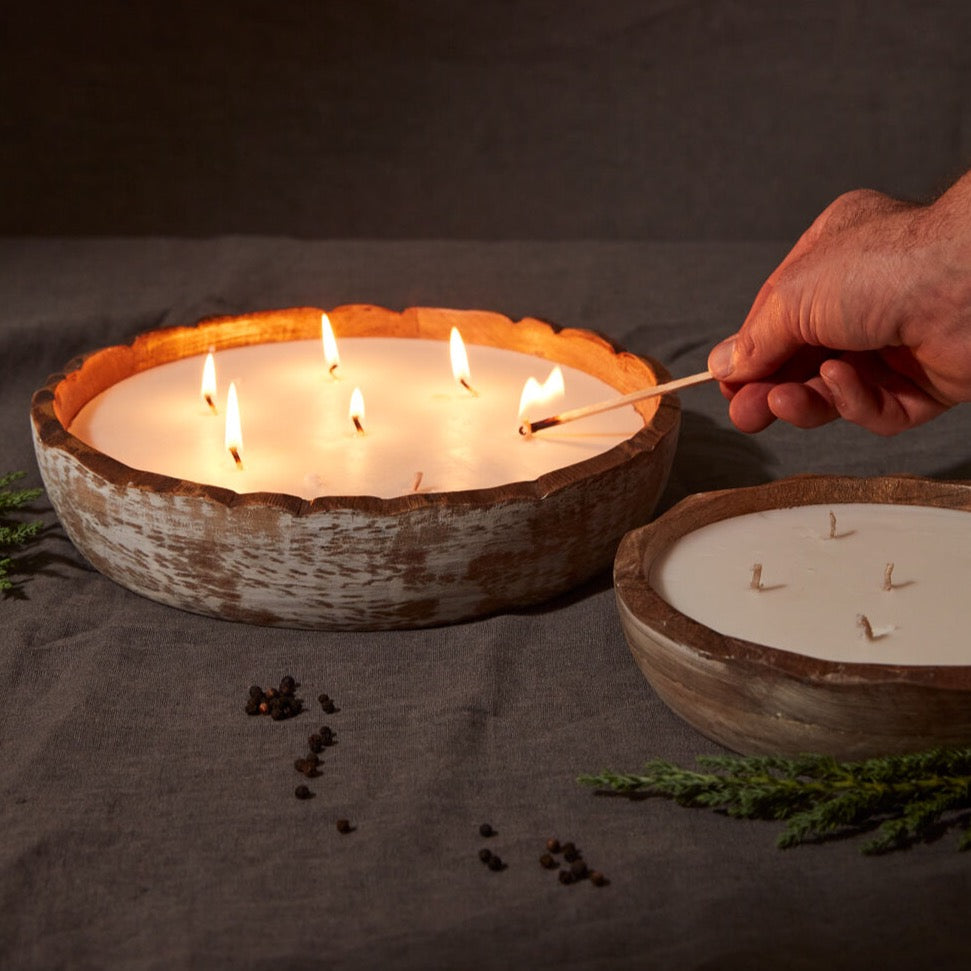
x: 331, y: 356
x: 234, y: 431
x: 535, y: 393
x: 356, y: 410
x: 209, y: 382
x: 460, y: 361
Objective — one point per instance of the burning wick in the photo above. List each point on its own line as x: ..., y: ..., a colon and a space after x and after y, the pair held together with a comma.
x: 356, y: 410
x: 209, y: 383
x: 863, y: 621
x: 756, y: 583
x: 832, y: 524
x: 528, y: 427
x: 330, y: 347
x: 460, y: 361
x: 417, y: 483
x: 888, y: 577
x: 234, y: 431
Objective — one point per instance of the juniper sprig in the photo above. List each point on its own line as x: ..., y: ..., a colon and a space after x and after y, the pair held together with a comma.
x: 905, y: 798
x: 14, y: 534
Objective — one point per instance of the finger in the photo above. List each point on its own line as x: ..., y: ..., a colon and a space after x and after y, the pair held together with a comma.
x: 749, y: 409
x: 805, y: 405
x: 871, y: 395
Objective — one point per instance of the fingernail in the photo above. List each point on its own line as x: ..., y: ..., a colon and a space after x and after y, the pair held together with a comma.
x: 834, y: 389
x: 720, y: 360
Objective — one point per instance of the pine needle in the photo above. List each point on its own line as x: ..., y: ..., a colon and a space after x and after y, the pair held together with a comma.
x: 12, y: 533
x: 906, y: 799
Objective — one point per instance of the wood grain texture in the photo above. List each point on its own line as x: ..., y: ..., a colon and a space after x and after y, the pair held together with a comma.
x: 757, y: 699
x: 352, y: 563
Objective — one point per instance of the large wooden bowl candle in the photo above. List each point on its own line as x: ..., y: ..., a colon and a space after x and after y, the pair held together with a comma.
x: 441, y: 539
x: 814, y: 614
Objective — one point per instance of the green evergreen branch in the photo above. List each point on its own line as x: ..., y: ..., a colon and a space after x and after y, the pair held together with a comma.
x: 905, y: 798
x: 14, y: 534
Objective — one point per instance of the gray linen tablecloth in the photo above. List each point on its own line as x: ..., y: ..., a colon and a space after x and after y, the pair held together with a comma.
x: 147, y: 822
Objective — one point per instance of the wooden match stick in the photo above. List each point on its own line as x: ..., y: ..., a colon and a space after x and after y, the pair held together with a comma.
x: 528, y: 427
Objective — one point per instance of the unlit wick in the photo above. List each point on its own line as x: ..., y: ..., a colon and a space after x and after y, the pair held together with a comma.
x: 888, y: 577
x: 417, y: 483
x: 756, y: 583
x: 863, y: 621
x: 832, y: 524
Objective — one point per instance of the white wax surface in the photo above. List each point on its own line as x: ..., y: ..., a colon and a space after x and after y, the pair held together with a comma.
x: 814, y: 587
x: 299, y: 440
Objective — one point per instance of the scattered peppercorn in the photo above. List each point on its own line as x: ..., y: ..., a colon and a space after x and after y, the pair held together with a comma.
x: 327, y: 704
x: 288, y: 685
x: 547, y: 862
x: 326, y: 734
x: 553, y: 845
x: 566, y: 876
x: 344, y: 826
x: 495, y: 863
x: 485, y: 830
x: 255, y: 691
x: 579, y: 869
x: 302, y: 792
x: 570, y: 852
x: 307, y: 767
x: 315, y: 743
x: 598, y: 879
x: 485, y: 855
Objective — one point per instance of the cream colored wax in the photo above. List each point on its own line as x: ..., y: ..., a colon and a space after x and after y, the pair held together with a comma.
x: 814, y: 587
x: 298, y: 438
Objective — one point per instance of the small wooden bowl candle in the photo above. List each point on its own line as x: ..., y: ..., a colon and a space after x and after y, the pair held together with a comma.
x: 816, y: 614
x: 433, y: 551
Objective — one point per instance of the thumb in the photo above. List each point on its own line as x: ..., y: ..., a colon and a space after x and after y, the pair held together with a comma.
x: 752, y: 353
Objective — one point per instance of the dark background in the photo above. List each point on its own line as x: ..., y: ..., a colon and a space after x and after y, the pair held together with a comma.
x: 659, y: 119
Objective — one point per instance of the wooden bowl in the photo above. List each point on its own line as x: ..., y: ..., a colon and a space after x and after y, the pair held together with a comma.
x: 758, y: 699
x: 351, y: 563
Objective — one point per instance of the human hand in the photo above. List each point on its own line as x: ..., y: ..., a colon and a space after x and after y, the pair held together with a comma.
x: 868, y: 318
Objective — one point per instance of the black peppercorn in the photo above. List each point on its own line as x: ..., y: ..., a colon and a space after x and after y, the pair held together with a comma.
x: 344, y: 826
x: 255, y: 691
x: 288, y: 685
x: 485, y: 830
x: 570, y: 852
x: 252, y: 707
x: 306, y: 767
x: 485, y: 855
x: 553, y: 845
x: 598, y: 879
x: 326, y: 734
x: 495, y: 863
x: 302, y: 792
x: 315, y: 743
x: 579, y: 869
x: 566, y: 876
x: 547, y: 862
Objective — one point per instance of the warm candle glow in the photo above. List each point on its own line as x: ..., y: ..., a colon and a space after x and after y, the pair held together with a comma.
x: 460, y: 361
x: 540, y: 395
x: 209, y: 382
x: 330, y: 346
x: 234, y: 431
x: 356, y: 410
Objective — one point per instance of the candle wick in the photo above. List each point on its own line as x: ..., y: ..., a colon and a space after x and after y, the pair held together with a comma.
x: 468, y: 387
x: 212, y: 404
x: 756, y: 583
x: 417, y: 483
x: 888, y: 577
x: 832, y: 525
x: 864, y: 622
x: 357, y: 424
x: 334, y: 370
x: 234, y: 451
